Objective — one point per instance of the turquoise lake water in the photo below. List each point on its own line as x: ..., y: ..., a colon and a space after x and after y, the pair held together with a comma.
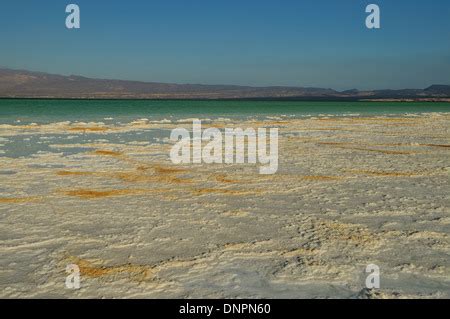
x: 47, y: 111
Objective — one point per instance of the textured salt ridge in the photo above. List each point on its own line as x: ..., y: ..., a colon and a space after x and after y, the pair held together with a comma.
x: 350, y: 191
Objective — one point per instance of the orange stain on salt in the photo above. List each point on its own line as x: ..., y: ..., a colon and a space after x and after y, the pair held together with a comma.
x: 73, y: 173
x: 18, y: 200
x: 437, y: 145
x: 320, y: 178
x: 132, y: 271
x: 381, y: 173
x: 223, y: 179
x: 92, y: 194
x: 168, y: 170
x: 107, y: 153
x: 88, y: 129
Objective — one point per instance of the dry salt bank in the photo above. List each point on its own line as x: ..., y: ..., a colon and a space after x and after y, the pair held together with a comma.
x: 98, y: 189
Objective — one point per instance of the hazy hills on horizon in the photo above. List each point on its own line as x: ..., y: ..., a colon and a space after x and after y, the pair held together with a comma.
x: 28, y: 84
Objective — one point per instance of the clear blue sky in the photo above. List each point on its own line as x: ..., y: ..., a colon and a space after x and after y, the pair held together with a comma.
x: 247, y: 42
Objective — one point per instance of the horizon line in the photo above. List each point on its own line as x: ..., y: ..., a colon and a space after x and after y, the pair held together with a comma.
x: 212, y: 85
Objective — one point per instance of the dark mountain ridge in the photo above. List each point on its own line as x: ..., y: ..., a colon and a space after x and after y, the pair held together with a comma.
x: 27, y: 84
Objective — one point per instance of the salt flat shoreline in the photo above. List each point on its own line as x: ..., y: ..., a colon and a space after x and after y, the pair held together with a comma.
x: 350, y: 191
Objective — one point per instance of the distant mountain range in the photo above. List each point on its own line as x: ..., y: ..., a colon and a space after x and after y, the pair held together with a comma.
x: 27, y: 84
